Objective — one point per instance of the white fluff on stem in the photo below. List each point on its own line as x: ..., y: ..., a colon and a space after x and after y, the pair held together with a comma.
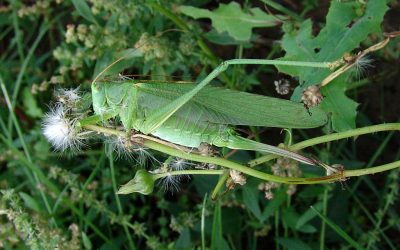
x: 60, y: 131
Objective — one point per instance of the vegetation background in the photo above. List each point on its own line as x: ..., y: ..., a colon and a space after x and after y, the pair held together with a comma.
x: 60, y: 200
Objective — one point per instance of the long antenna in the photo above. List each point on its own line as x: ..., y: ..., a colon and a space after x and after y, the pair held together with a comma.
x: 112, y: 64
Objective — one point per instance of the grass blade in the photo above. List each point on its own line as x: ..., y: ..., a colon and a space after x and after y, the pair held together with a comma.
x: 84, y: 10
x: 338, y: 230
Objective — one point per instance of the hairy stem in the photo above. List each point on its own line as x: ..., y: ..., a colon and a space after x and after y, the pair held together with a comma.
x: 328, y: 138
x: 340, y: 175
x: 189, y: 172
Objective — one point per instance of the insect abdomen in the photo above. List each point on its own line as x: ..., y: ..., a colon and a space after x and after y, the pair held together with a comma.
x: 188, y: 133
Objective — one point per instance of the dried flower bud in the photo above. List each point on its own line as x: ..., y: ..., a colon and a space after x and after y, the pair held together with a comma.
x: 143, y: 183
x: 282, y: 86
x: 237, y: 177
x: 70, y: 36
x: 312, y: 96
x: 334, y: 169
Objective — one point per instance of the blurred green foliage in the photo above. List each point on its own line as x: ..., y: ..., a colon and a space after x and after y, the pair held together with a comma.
x: 58, y: 200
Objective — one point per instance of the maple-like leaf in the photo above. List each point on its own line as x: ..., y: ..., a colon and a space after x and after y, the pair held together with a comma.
x: 347, y: 25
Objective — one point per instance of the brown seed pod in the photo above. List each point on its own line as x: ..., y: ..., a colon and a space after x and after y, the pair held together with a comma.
x: 312, y: 96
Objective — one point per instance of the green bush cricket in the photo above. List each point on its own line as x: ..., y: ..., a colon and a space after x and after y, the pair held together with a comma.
x: 188, y: 114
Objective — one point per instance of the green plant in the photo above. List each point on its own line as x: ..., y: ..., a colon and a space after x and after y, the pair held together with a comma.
x: 71, y: 200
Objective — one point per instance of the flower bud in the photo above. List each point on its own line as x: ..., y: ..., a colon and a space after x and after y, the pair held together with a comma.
x: 312, y: 96
x: 143, y: 183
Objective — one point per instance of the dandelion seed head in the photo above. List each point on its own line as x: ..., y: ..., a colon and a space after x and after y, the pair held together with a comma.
x: 121, y: 146
x: 180, y: 164
x: 140, y: 154
x: 68, y: 97
x: 170, y: 183
x: 361, y: 65
x: 60, y: 131
x: 71, y: 94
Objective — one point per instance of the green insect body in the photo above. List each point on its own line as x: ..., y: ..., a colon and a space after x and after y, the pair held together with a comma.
x: 208, y: 117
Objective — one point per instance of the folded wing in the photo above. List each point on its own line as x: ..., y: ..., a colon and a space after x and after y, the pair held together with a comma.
x: 225, y: 106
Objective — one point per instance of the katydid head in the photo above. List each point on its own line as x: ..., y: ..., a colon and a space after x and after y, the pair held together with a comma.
x: 109, y: 100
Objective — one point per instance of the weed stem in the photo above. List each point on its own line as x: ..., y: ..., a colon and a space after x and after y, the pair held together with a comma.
x: 340, y: 175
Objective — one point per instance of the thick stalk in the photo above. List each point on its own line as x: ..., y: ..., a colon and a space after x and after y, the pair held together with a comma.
x: 328, y: 138
x: 168, y: 149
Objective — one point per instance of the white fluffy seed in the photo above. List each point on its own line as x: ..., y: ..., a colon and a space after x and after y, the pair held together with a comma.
x: 60, y: 131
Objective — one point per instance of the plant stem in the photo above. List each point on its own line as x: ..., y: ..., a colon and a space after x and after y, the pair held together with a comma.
x: 168, y: 149
x: 118, y: 202
x: 277, y: 62
x: 202, y: 225
x: 187, y: 172
x: 14, y: 121
x: 219, y: 185
x: 328, y: 138
x: 323, y: 224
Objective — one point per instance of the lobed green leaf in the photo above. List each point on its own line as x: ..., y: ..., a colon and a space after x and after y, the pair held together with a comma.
x: 347, y: 24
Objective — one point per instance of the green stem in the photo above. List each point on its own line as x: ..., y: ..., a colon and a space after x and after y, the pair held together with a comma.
x: 14, y: 120
x: 282, y: 9
x: 277, y: 62
x: 181, y: 24
x: 189, y: 172
x: 43, y: 29
x: 323, y: 224
x: 220, y: 183
x: 119, y: 206
x: 44, y: 180
x: 167, y: 149
x: 328, y: 138
x: 203, y: 223
x: 373, y: 170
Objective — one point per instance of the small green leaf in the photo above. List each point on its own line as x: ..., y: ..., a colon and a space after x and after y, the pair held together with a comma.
x: 224, y: 38
x: 184, y: 241
x: 295, y: 244
x: 30, y: 104
x: 30, y: 202
x: 250, y: 199
x: 232, y: 19
x: 86, y: 241
x: 290, y: 217
x: 84, y: 10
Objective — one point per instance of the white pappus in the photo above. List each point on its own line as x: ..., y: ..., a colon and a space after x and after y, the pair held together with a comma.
x: 69, y: 95
x: 61, y: 131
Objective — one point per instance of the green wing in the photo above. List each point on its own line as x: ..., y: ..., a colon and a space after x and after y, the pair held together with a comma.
x: 224, y: 106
